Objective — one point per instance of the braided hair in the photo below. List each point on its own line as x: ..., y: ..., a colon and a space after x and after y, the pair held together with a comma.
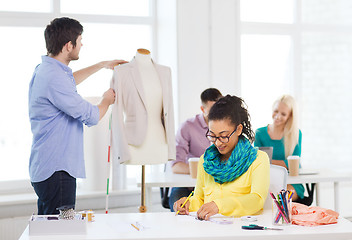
x: 234, y: 109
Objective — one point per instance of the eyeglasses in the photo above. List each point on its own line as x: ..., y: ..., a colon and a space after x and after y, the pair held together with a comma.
x: 223, y: 139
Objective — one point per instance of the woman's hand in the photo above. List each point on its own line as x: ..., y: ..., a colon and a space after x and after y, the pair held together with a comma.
x: 178, y: 204
x: 207, y: 210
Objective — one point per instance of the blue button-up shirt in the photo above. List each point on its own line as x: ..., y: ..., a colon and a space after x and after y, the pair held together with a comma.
x: 57, y: 113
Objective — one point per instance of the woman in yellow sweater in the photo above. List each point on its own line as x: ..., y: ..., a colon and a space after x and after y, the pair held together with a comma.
x: 233, y: 176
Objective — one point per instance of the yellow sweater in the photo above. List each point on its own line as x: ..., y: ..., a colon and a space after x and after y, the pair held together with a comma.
x: 243, y: 196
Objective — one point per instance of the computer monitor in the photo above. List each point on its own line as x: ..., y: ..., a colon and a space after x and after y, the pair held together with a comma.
x: 269, y: 151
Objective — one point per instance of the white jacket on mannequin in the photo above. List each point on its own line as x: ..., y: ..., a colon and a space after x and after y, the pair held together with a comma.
x: 129, y: 113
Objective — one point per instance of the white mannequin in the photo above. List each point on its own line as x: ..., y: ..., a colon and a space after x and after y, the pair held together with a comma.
x: 154, y: 149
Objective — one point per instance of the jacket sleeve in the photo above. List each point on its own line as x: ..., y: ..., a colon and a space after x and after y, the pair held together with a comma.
x: 254, y: 201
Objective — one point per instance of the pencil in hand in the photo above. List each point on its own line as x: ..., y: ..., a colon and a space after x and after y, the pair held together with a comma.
x: 185, y: 202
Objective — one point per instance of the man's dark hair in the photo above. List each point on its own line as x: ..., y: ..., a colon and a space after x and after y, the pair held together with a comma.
x: 210, y: 94
x: 59, y: 32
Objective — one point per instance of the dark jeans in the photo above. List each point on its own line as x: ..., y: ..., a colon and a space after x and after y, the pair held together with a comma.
x: 177, y: 193
x: 57, y: 191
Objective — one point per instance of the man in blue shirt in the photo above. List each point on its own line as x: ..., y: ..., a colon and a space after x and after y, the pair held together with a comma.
x: 57, y: 113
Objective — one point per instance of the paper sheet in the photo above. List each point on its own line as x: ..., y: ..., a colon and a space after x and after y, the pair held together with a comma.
x: 217, y: 218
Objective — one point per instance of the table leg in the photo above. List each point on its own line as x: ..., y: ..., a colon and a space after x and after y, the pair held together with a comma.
x: 317, y: 193
x: 336, y: 196
x: 143, y: 207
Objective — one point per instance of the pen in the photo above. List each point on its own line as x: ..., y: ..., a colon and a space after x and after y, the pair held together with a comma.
x: 135, y: 226
x: 257, y: 227
x: 185, y: 202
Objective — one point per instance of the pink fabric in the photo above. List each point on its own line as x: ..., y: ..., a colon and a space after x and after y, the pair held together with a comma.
x: 312, y: 216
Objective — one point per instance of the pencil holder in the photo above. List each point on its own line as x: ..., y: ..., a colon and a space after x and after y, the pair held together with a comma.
x: 281, y: 211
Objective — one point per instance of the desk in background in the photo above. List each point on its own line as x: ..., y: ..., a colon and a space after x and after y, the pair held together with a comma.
x: 166, y: 225
x: 323, y: 176
x: 164, y: 179
x: 168, y: 179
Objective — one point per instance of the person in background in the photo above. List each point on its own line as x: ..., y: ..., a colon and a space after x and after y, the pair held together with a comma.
x: 233, y: 177
x: 57, y: 113
x: 284, y: 136
x: 191, y: 141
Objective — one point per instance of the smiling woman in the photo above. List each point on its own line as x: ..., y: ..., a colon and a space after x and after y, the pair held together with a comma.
x: 232, y: 175
x: 284, y: 136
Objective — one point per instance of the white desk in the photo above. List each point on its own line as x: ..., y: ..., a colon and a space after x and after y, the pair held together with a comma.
x: 321, y: 177
x: 168, y: 179
x: 168, y: 226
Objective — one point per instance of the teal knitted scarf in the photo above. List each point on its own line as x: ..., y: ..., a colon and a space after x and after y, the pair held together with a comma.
x: 240, y: 160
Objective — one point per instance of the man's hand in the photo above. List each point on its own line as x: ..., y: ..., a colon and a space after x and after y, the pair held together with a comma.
x: 113, y: 63
x: 207, y: 210
x: 84, y: 73
x: 108, y: 99
x: 109, y: 96
x: 178, y: 204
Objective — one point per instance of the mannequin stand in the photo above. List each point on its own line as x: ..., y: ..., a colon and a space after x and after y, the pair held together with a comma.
x: 143, y: 208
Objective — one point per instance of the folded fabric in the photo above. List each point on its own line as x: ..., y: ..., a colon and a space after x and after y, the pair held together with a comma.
x: 312, y: 216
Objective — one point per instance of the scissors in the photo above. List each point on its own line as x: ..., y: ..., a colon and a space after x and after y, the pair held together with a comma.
x: 257, y: 227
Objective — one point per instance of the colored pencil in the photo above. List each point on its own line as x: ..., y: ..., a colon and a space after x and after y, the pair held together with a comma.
x: 134, y: 226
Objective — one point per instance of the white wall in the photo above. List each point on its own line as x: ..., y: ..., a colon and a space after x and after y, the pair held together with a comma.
x: 193, y: 46
x: 207, y: 54
x: 166, y: 41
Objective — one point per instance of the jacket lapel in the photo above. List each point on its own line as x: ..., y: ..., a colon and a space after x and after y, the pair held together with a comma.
x: 163, y: 86
x: 137, y: 80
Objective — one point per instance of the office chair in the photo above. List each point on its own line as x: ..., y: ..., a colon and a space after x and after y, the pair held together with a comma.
x: 277, y: 173
x: 164, y: 194
x: 278, y: 181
